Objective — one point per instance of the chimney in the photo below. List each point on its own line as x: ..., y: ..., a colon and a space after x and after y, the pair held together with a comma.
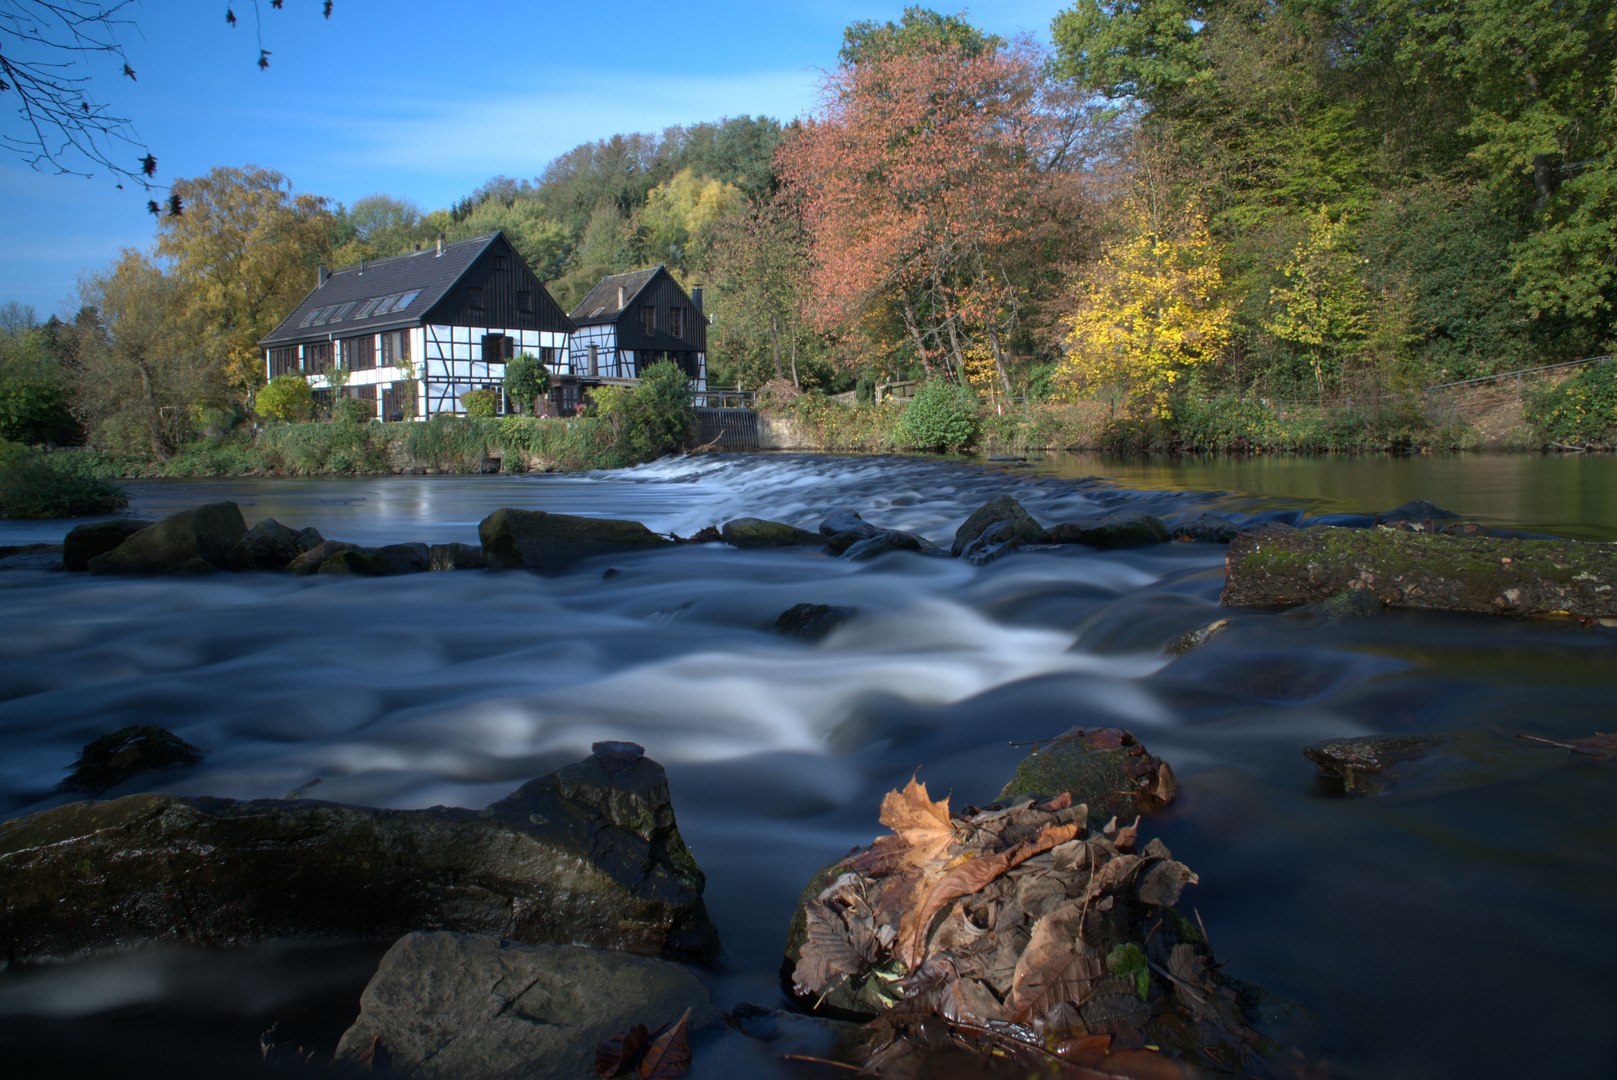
x: 696, y: 296
x: 440, y: 245
x: 620, y: 297
x: 362, y: 266
x: 321, y: 275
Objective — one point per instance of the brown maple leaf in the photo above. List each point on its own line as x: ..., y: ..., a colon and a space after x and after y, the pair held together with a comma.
x: 924, y: 825
x: 670, y: 1055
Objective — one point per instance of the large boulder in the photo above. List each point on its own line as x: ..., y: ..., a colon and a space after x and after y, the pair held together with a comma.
x: 407, y: 558
x: 356, y: 561
x: 886, y: 540
x: 589, y: 854
x: 85, y: 542
x: 312, y: 559
x: 209, y: 532
x: 469, y: 1007
x: 996, y: 511
x: 751, y: 532
x: 1104, y: 768
x: 1125, y: 529
x: 550, y: 543
x: 269, y: 545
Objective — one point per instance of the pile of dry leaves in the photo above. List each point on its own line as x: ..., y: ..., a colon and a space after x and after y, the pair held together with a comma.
x: 1026, y: 931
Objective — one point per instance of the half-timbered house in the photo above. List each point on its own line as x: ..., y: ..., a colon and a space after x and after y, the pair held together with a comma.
x: 630, y: 321
x: 413, y: 333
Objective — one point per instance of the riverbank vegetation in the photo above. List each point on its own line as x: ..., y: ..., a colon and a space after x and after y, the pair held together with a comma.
x: 1230, y: 226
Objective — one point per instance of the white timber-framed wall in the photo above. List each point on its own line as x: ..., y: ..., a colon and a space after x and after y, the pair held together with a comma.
x: 455, y: 360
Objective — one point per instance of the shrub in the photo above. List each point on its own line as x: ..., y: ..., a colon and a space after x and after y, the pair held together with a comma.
x: 34, y: 485
x: 287, y: 397
x: 864, y: 391
x: 651, y: 419
x: 1582, y: 411
x: 33, y: 411
x: 484, y: 402
x: 525, y: 379
x: 941, y: 417
x: 354, y: 410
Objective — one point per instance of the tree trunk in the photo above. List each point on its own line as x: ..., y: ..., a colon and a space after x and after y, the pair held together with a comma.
x: 774, y: 343
x: 1478, y: 574
x: 910, y: 324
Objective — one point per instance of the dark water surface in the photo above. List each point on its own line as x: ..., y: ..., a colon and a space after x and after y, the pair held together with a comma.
x: 1460, y: 926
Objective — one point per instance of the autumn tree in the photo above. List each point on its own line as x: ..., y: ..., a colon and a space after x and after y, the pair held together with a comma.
x: 244, y: 253
x: 143, y: 363
x: 915, y: 179
x: 1149, y: 311
x: 759, y: 265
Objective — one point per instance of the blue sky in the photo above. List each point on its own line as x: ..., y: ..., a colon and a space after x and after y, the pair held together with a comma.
x: 420, y: 100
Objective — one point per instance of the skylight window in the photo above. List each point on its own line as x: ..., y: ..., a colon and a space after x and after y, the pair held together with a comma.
x: 323, y: 314
x: 309, y: 318
x: 366, y: 309
x: 386, y: 305
x: 406, y: 300
x: 342, y: 311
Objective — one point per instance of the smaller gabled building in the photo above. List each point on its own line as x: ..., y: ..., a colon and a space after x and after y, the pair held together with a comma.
x: 413, y: 333
x: 630, y: 321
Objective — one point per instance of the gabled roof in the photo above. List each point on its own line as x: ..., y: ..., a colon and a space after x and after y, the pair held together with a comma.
x: 414, y: 282
x: 601, y: 305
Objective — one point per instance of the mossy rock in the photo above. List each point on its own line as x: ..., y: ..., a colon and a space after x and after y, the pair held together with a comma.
x: 110, y: 760
x: 1105, y: 768
x: 996, y: 511
x: 1125, y: 529
x: 85, y: 542
x: 210, y: 532
x: 751, y: 532
x: 551, y: 543
x: 356, y: 561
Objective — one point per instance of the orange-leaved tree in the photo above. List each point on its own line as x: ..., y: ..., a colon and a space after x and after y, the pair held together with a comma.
x: 915, y: 180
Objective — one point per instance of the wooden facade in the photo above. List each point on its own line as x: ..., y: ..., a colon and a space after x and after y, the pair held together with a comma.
x: 630, y: 321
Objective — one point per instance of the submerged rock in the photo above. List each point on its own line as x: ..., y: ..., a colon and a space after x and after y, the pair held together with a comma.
x: 994, y: 529
x: 408, y: 558
x: 811, y: 622
x: 1125, y: 529
x: 580, y: 856
x: 455, y: 556
x: 887, y: 540
x: 1207, y: 529
x: 470, y: 1007
x: 209, y: 532
x: 1370, y: 763
x: 550, y: 543
x: 110, y: 760
x: 31, y: 557
x: 84, y: 542
x: 751, y: 532
x: 356, y: 560
x: 1412, y: 511
x: 1105, y: 768
x: 1198, y: 637
x: 1345, y: 606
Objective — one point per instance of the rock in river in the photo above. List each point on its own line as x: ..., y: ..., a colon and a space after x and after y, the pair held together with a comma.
x: 85, y: 542
x: 1369, y: 763
x: 996, y: 528
x: 751, y: 532
x: 1124, y: 529
x: 583, y: 855
x: 470, y: 1007
x: 210, y: 532
x: 550, y: 543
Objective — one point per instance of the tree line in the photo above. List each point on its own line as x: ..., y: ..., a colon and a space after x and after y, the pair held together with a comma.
x: 1171, y: 201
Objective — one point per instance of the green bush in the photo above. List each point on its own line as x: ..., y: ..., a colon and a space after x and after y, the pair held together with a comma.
x: 648, y: 420
x: 354, y: 410
x: 1582, y: 411
x: 287, y: 397
x: 941, y: 417
x: 35, y: 485
x: 481, y: 403
x: 864, y: 391
x: 33, y: 411
x: 525, y: 379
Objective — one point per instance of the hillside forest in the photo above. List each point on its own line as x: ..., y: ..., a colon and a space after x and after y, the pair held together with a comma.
x: 1169, y: 203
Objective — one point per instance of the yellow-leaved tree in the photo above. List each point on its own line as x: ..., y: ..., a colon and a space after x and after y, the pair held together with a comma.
x: 1146, y: 313
x: 1322, y: 306
x: 244, y: 252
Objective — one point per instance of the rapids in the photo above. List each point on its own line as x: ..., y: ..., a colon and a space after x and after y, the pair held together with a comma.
x: 1460, y: 926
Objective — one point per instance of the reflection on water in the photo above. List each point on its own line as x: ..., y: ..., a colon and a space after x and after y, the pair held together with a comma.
x: 1573, y: 495
x: 1411, y: 928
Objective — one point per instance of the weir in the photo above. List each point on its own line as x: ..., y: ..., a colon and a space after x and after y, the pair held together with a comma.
x: 729, y: 429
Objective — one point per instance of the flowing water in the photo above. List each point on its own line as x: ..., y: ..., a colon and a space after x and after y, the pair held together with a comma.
x: 1461, y: 925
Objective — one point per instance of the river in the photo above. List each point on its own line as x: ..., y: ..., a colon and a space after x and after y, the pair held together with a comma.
x: 1461, y: 925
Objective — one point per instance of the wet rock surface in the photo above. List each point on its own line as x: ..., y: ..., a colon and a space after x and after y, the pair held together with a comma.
x: 470, y: 1007
x: 31, y: 557
x: 1345, y: 606
x: 1125, y: 529
x: 1007, y: 524
x: 581, y: 856
x: 1201, y: 635
x: 811, y: 622
x: 269, y: 545
x: 1206, y: 529
x: 455, y: 556
x: 1105, y: 768
x: 210, y: 533
x: 110, y: 760
x: 751, y: 532
x: 311, y: 560
x: 84, y: 542
x: 1412, y: 511
x: 842, y: 529
x: 550, y: 543
x: 1370, y: 764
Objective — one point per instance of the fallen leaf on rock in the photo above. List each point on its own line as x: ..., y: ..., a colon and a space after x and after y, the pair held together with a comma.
x: 620, y: 1055
x: 670, y: 1055
x: 374, y: 1058
x: 1601, y: 747
x: 922, y: 823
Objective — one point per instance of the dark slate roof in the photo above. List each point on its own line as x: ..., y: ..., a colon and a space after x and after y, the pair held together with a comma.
x: 423, y: 272
x: 601, y: 305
